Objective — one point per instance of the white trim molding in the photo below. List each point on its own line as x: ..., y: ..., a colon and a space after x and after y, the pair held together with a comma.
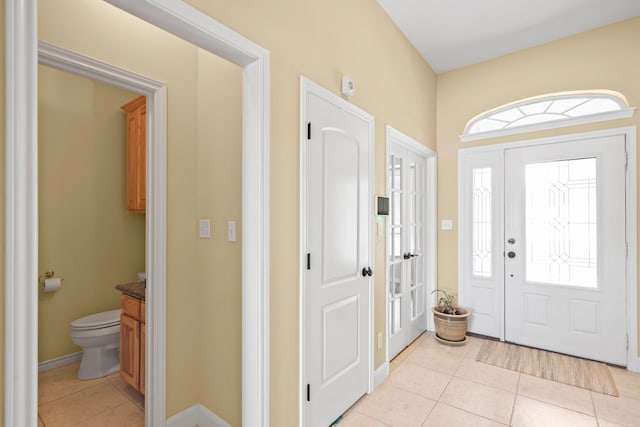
x: 381, y: 374
x: 633, y: 360
x: 47, y: 365
x: 21, y: 215
x: 21, y: 224
x: 494, y: 153
x: 197, y: 415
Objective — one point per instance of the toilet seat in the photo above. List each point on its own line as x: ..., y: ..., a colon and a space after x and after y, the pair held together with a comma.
x: 102, y: 320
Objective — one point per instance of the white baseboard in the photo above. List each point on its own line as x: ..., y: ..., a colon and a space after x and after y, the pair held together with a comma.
x: 197, y: 415
x: 59, y: 361
x: 381, y: 374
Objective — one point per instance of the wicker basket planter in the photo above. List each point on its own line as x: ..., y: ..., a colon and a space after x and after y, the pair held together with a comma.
x: 451, y: 328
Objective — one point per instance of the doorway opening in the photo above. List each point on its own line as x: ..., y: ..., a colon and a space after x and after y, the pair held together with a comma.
x: 104, y: 244
x: 21, y: 206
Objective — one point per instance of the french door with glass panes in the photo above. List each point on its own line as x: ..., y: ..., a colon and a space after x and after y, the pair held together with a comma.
x: 406, y: 288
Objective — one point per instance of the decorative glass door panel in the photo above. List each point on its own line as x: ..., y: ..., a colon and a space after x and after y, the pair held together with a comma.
x: 565, y: 251
x: 397, y: 237
x: 561, y: 222
x: 481, y: 222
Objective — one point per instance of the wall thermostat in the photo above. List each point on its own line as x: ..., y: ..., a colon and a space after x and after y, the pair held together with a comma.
x: 347, y: 86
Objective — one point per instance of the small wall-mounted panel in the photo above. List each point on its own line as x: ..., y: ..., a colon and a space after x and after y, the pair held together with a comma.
x: 383, y: 205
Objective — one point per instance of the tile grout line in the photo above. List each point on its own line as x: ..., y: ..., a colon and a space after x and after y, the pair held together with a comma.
x: 593, y: 404
x: 71, y: 394
x: 129, y: 398
x: 99, y: 414
x: 466, y: 411
x: 513, y: 408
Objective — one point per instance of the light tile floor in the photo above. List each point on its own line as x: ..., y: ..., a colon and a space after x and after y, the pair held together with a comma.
x: 65, y: 401
x: 431, y: 384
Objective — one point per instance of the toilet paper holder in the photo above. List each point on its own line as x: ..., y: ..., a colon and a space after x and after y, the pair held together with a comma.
x: 47, y: 275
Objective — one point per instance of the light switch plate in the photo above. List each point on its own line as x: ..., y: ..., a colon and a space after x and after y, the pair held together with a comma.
x: 231, y: 231
x: 205, y: 229
x: 447, y: 224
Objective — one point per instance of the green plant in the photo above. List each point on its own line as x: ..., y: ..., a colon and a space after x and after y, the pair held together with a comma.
x: 445, y: 303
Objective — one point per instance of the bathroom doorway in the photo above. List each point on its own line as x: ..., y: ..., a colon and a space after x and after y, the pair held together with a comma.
x: 89, y: 240
x: 21, y: 270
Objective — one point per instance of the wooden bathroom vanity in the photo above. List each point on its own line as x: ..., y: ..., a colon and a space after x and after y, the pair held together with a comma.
x: 132, y: 334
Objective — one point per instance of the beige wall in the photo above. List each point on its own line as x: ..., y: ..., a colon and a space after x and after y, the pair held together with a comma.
x: 85, y: 234
x: 323, y: 41
x: 220, y: 199
x: 606, y: 58
x: 320, y: 40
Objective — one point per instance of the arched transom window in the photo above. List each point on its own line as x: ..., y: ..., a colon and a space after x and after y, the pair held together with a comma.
x: 546, y: 112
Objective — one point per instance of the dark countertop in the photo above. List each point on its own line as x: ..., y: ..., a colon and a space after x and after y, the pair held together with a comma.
x: 134, y: 289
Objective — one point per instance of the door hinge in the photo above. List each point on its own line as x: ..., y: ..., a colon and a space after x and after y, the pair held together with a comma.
x: 626, y: 160
x: 308, y: 392
x: 627, y: 338
x: 308, y: 261
x: 309, y: 131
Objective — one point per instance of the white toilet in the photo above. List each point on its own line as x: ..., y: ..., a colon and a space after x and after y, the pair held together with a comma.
x: 99, y: 337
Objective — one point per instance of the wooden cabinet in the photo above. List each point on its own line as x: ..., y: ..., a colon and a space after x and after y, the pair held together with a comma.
x: 132, y: 341
x: 143, y: 346
x: 136, y: 154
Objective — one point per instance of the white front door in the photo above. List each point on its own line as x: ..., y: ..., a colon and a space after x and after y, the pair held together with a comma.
x: 565, y: 250
x: 338, y: 275
x: 406, y: 258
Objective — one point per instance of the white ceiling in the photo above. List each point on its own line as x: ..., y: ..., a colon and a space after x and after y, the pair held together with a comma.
x: 454, y: 33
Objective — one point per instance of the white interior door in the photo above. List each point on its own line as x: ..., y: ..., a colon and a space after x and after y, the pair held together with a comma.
x: 565, y: 249
x: 406, y: 178
x: 338, y: 272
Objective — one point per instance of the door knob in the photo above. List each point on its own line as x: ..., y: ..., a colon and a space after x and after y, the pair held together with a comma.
x: 511, y: 254
x: 406, y: 255
x: 367, y: 271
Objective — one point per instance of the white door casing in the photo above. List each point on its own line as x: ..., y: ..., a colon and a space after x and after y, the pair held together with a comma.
x: 406, y: 234
x: 565, y: 247
x: 336, y: 305
x: 491, y: 157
